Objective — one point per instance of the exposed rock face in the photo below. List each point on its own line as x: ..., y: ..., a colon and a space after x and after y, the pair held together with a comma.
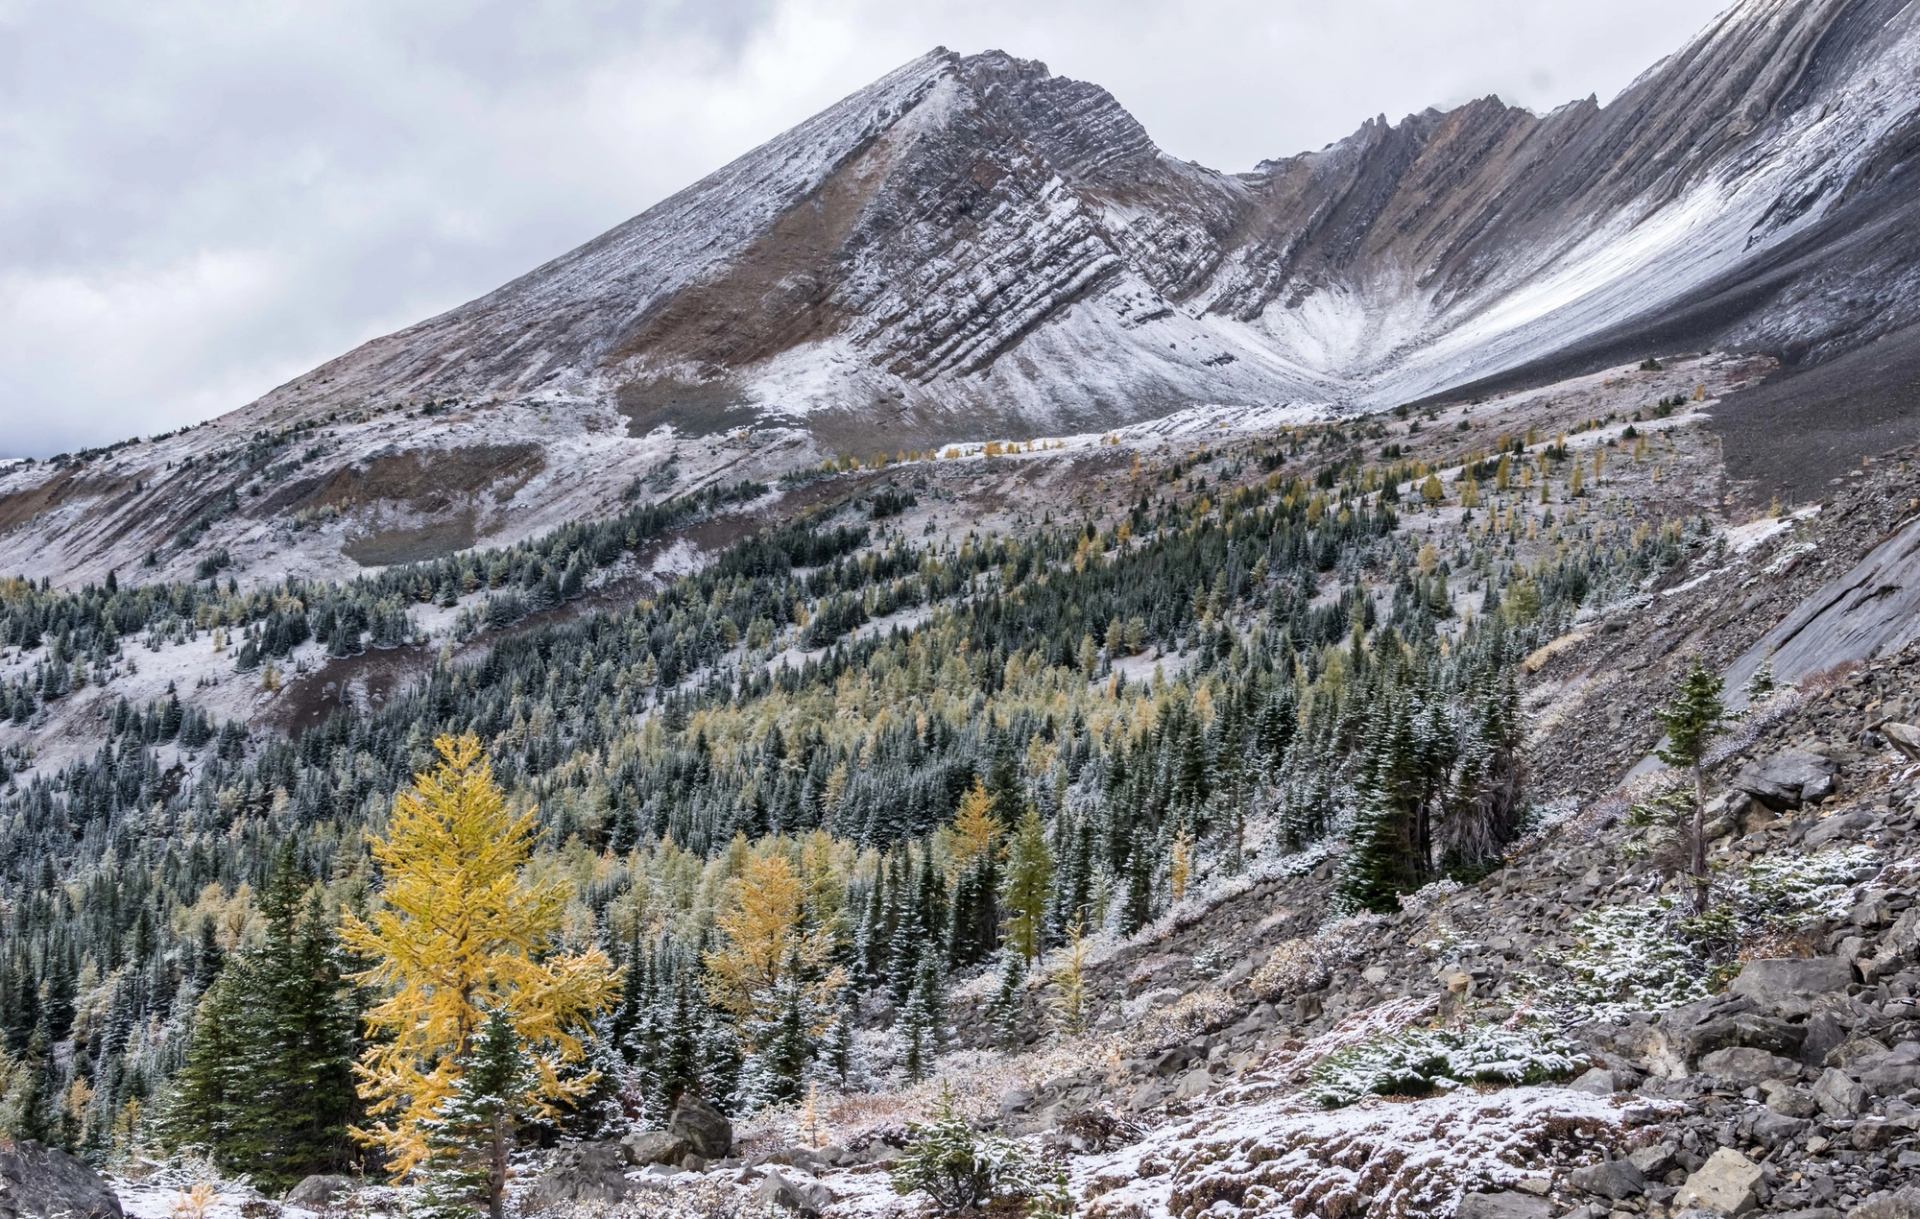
x: 1787, y: 779
x: 1503, y: 1205
x: 37, y: 1182
x: 1778, y: 984
x: 585, y: 1174
x: 645, y: 1147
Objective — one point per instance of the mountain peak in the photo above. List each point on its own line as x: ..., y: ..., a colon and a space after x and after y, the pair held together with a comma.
x: 895, y: 250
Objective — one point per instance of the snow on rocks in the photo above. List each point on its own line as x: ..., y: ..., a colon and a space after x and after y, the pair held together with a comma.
x: 1382, y: 1158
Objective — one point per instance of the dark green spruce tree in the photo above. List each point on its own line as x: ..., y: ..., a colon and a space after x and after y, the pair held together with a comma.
x: 470, y: 1140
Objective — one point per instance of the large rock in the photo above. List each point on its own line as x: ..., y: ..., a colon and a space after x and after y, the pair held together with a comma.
x: 1746, y: 1067
x: 1787, y: 779
x: 1899, y: 944
x: 1507, y: 1204
x: 39, y: 1182
x: 1838, y: 828
x: 1893, y: 1204
x: 320, y: 1191
x: 794, y: 1192
x: 1903, y: 737
x: 706, y: 1130
x: 1838, y: 1095
x: 1891, y: 1073
x: 644, y: 1147
x: 1727, y: 1184
x: 1788, y: 984
x: 1747, y: 1029
x: 1614, y: 1179
x: 591, y: 1174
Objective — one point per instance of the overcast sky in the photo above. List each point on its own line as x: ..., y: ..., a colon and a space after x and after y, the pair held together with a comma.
x: 199, y: 201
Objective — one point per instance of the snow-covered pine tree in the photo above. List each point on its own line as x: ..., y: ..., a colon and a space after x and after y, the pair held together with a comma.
x: 471, y: 1133
x: 922, y: 1022
x: 1009, y: 998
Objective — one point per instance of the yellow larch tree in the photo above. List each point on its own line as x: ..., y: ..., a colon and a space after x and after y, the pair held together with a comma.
x: 975, y: 829
x: 766, y: 931
x: 461, y: 930
x: 1180, y: 865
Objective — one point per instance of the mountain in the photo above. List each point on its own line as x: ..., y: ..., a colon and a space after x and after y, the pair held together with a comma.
x: 972, y: 247
x: 972, y: 243
x: 1504, y: 807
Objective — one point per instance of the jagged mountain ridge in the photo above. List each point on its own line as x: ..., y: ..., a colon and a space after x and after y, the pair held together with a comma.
x: 971, y: 242
x: 972, y: 248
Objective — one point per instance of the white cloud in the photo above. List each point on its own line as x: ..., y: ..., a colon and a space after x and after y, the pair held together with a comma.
x: 201, y: 200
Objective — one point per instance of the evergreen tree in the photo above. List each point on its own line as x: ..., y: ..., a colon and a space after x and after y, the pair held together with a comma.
x: 778, y: 1069
x: 1070, y: 983
x: 1691, y: 718
x: 211, y: 1082
x: 1009, y: 998
x: 922, y: 1021
x: 1029, y: 884
x: 470, y: 1134
x: 837, y: 1052
x: 1138, y: 910
x: 975, y: 932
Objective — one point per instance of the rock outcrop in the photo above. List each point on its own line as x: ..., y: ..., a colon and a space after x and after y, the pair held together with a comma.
x: 38, y: 1182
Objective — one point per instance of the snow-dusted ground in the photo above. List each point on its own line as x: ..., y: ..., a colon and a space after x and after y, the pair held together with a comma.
x: 1411, y: 1158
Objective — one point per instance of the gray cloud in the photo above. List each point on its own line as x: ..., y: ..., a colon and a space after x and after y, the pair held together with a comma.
x: 201, y: 200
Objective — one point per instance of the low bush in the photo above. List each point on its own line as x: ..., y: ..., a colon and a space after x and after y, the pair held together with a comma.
x: 1419, y: 1062
x: 962, y: 1169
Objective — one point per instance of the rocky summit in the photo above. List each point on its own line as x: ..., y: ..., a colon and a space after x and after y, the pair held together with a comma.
x: 964, y: 666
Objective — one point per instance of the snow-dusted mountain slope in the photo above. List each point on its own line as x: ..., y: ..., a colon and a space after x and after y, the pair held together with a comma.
x: 973, y: 235
x: 972, y: 247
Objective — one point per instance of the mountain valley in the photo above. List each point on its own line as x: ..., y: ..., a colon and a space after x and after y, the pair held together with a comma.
x: 963, y: 665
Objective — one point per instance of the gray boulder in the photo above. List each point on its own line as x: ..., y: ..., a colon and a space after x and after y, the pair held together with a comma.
x: 1727, y: 1184
x: 1614, y: 1179
x: 1653, y: 1160
x: 1903, y: 737
x: 594, y: 1174
x: 1838, y: 1095
x: 1893, y: 1204
x: 1891, y: 1073
x: 320, y: 1191
x: 794, y: 1193
x: 1507, y: 1204
x: 1839, y: 827
x: 1746, y: 1067
x: 705, y: 1130
x: 38, y: 1182
x: 1773, y: 1129
x: 645, y: 1147
x: 1787, y: 779
x: 1788, y: 984
x: 1900, y: 944
x: 1747, y: 1029
x: 1789, y: 1101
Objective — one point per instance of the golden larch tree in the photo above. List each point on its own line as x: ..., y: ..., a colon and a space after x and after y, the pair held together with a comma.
x: 463, y: 929
x: 766, y: 932
x: 975, y: 829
